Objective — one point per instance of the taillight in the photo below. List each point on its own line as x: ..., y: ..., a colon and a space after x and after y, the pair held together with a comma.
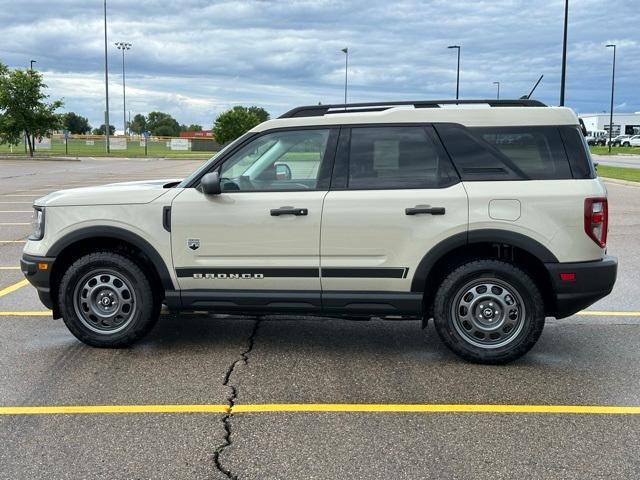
x: 596, y: 220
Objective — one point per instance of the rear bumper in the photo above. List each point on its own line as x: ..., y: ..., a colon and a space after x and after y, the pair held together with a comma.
x: 593, y: 281
x: 39, y: 277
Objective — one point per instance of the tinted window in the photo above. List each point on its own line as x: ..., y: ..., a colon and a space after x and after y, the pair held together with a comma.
x: 578, y: 152
x: 395, y: 157
x: 506, y: 153
x: 277, y: 161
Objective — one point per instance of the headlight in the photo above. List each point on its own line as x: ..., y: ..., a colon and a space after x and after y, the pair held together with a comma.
x: 38, y: 223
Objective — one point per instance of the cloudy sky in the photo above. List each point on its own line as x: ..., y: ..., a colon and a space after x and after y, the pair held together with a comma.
x: 196, y: 58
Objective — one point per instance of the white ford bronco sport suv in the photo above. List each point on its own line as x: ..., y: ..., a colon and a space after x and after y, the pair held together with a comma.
x: 486, y: 216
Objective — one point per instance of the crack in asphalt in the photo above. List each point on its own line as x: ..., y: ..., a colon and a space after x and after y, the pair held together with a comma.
x: 231, y: 401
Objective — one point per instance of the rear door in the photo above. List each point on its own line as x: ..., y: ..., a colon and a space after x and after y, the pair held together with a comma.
x: 394, y: 196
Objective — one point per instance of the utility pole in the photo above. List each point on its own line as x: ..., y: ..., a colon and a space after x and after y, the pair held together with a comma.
x: 613, y: 84
x: 498, y: 84
x: 346, y: 69
x: 124, y: 46
x: 106, y: 82
x: 564, y: 53
x: 457, y: 47
x: 31, y: 62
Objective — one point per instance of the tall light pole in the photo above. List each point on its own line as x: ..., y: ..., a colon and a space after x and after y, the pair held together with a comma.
x: 106, y: 81
x: 613, y: 84
x: 498, y: 84
x: 346, y: 69
x: 457, y: 47
x: 124, y: 46
x: 564, y: 53
x: 31, y: 62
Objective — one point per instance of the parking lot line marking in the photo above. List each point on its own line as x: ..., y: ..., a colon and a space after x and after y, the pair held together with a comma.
x: 16, y: 211
x: 9, y: 268
x: 13, y: 224
x: 13, y: 241
x: 22, y: 195
x: 14, y: 287
x: 40, y: 313
x: 12, y: 203
x: 321, y: 407
x: 435, y: 408
x: 93, y: 409
x: 586, y: 313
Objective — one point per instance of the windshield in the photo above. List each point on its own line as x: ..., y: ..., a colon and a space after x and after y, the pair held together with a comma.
x: 207, y: 163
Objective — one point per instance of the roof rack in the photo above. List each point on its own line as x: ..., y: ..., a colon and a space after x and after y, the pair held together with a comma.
x: 321, y: 110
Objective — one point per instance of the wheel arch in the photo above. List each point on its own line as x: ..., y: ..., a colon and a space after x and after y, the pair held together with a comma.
x: 85, y: 240
x: 515, y: 248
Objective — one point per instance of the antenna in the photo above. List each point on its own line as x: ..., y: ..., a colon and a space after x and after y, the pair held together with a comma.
x: 527, y: 97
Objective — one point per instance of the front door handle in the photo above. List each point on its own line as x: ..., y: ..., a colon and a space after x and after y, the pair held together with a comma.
x: 424, y: 209
x: 276, y: 212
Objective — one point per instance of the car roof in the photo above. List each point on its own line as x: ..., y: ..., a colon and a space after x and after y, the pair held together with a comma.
x: 473, y: 115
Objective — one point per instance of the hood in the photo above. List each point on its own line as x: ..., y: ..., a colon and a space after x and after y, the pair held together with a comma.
x: 126, y: 193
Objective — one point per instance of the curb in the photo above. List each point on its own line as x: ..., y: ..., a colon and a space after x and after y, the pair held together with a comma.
x: 621, y: 182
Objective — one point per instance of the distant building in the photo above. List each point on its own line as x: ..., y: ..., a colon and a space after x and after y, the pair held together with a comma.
x: 623, y: 123
x: 200, y: 134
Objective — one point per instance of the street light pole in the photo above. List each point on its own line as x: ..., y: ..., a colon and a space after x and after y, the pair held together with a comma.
x: 457, y: 47
x: 564, y: 53
x: 613, y: 84
x: 106, y: 81
x: 346, y: 69
x: 31, y: 62
x: 498, y: 84
x: 124, y: 46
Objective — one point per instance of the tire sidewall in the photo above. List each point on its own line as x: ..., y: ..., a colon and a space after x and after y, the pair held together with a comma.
x: 504, y: 273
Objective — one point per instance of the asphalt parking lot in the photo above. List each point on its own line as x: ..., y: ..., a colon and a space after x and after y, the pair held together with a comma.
x: 312, y: 398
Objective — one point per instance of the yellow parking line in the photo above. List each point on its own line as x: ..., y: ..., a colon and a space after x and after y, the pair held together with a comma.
x: 9, y: 268
x: 434, y: 408
x: 92, y: 409
x: 13, y: 288
x: 323, y: 407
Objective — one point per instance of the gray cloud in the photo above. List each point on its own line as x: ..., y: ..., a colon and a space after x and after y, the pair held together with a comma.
x: 196, y: 58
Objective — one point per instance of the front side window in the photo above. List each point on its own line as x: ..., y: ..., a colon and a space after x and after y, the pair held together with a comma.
x: 394, y: 157
x: 288, y: 160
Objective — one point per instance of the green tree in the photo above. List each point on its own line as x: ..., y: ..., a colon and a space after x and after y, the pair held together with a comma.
x: 162, y: 124
x: 76, y: 124
x: 237, y: 121
x: 138, y: 124
x: 100, y: 130
x: 194, y: 127
x: 24, y: 111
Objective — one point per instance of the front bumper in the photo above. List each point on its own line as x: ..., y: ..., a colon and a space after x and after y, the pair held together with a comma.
x: 591, y: 282
x: 38, y: 271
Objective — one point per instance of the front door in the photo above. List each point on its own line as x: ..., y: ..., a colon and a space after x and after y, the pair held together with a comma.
x: 261, y: 236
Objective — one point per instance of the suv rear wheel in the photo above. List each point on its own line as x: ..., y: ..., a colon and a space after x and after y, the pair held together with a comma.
x: 489, y: 311
x: 106, y: 300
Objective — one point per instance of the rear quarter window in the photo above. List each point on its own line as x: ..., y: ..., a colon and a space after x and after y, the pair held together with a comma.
x: 506, y: 153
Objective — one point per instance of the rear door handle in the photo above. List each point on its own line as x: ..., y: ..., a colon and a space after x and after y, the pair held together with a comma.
x: 276, y: 212
x: 424, y: 209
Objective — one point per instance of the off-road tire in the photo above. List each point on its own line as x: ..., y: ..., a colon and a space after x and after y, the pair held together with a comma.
x: 504, y: 274
x: 121, y: 269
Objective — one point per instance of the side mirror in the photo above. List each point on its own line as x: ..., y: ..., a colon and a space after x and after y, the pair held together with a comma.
x: 283, y: 172
x: 210, y: 184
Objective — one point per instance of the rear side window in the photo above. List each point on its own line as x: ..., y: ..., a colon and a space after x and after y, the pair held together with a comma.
x: 397, y: 157
x: 506, y: 153
x: 578, y: 152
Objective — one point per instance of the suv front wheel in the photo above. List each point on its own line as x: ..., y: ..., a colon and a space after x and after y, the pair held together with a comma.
x: 489, y: 311
x: 106, y: 300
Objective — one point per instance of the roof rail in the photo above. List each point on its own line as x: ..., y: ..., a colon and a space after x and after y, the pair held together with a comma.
x: 321, y: 110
